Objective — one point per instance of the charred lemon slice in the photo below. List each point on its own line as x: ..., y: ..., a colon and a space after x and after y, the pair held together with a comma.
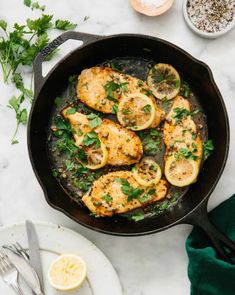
x: 93, y: 153
x: 181, y: 172
x: 136, y: 111
x: 164, y: 81
x: 67, y: 272
x: 147, y: 172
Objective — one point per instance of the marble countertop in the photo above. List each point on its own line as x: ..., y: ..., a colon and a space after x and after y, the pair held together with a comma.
x: 151, y: 265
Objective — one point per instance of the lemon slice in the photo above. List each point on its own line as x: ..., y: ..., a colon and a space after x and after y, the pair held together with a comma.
x: 147, y: 172
x: 181, y: 172
x: 67, y: 272
x: 164, y: 81
x: 96, y: 154
x: 136, y: 111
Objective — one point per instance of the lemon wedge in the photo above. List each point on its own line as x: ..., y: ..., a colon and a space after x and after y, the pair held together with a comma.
x: 164, y: 81
x: 136, y: 111
x: 96, y: 154
x: 147, y: 172
x: 67, y: 272
x: 181, y: 172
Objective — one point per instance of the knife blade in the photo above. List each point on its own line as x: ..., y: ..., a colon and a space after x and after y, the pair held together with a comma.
x: 25, y: 270
x: 34, y: 250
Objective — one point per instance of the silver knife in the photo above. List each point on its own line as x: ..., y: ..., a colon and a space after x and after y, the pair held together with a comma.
x: 25, y: 270
x: 34, y: 250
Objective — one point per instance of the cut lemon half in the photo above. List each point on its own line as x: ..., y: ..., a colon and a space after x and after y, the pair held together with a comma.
x: 164, y: 81
x: 67, y: 272
x: 147, y: 172
x: 181, y: 172
x: 94, y: 156
x: 136, y: 111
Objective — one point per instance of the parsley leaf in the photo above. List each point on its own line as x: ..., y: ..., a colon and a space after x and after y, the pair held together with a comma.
x: 21, y: 114
x: 71, y: 111
x: 185, y: 153
x: 137, y: 217
x: 185, y: 90
x: 151, y: 141
x: 129, y: 190
x: 91, y: 138
x: 114, y: 109
x: 94, y: 119
x: 64, y: 25
x: 3, y: 24
x: 36, y: 5
x: 208, y: 148
x: 107, y: 198
x: 27, y: 3
x: 180, y: 114
x: 40, y: 25
x: 69, y: 165
x: 147, y: 108
x: 110, y: 87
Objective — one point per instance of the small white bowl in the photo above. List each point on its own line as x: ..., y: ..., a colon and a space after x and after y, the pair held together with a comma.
x: 138, y: 6
x: 200, y: 32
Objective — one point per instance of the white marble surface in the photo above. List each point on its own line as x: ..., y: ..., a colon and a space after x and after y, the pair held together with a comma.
x: 151, y: 265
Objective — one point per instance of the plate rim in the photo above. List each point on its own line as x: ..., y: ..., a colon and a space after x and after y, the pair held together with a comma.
x: 57, y: 226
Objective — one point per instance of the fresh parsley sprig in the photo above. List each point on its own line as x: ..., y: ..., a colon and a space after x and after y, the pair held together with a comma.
x: 18, y: 48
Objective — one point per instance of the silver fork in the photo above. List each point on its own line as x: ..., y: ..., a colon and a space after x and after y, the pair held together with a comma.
x: 9, y: 273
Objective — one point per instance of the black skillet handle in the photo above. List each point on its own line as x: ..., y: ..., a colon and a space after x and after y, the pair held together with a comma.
x: 199, y: 217
x: 38, y: 78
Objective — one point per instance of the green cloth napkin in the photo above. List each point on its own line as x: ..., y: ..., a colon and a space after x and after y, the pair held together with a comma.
x: 208, y: 274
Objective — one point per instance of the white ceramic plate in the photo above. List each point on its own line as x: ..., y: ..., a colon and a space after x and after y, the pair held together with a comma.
x: 55, y: 240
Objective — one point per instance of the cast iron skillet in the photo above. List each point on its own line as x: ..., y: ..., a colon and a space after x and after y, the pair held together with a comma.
x: 95, y: 50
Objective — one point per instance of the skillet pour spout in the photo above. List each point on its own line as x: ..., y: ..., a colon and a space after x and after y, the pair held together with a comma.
x: 95, y: 50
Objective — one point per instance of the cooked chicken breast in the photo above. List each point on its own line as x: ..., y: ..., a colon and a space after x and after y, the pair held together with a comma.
x: 101, y: 88
x: 181, y: 131
x: 124, y: 146
x: 106, y: 197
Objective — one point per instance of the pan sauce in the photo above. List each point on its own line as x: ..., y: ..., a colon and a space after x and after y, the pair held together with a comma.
x: 76, y: 184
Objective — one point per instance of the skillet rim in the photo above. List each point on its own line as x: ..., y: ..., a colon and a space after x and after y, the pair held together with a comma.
x: 98, y: 38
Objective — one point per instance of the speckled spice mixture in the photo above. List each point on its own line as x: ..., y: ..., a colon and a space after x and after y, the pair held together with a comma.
x: 211, y: 15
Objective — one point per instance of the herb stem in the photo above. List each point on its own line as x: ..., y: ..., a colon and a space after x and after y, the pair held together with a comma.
x: 13, y: 140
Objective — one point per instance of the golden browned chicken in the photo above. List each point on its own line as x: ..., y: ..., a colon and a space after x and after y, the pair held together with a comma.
x: 124, y: 146
x: 119, y: 192
x: 183, y: 145
x: 101, y: 89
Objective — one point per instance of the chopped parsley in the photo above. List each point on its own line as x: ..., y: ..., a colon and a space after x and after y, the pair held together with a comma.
x: 129, y: 190
x: 91, y: 138
x: 151, y: 191
x: 137, y: 216
x: 181, y: 113
x: 69, y: 165
x: 114, y: 109
x: 147, y: 108
x: 94, y: 119
x: 115, y: 66
x: 110, y: 87
x: 184, y: 90
x: 107, y: 198
x: 194, y: 135
x: 151, y: 141
x: 165, y: 103
x: 58, y: 101
x: 126, y: 112
x: 143, y: 198
x: 185, y: 153
x: 71, y: 111
x: 208, y: 148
